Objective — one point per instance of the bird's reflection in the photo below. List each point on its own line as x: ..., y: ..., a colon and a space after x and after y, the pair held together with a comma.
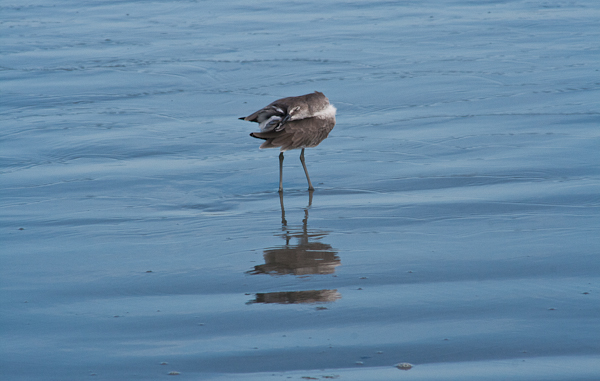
x: 304, y: 253
x: 308, y: 255
x: 294, y: 297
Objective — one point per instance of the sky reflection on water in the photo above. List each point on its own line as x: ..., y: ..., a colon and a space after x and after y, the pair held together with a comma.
x: 455, y: 222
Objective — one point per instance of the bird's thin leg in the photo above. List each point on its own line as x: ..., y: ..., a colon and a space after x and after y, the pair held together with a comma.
x: 310, y: 187
x: 283, y: 220
x: 281, y: 172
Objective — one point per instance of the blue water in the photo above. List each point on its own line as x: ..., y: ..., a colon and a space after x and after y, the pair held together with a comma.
x: 455, y: 223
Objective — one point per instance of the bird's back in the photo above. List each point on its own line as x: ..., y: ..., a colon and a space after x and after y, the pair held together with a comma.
x: 303, y: 133
x: 277, y: 113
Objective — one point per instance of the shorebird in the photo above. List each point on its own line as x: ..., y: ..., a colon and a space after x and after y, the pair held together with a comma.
x: 292, y: 123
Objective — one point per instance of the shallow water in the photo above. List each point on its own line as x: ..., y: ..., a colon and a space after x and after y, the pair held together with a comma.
x: 455, y: 223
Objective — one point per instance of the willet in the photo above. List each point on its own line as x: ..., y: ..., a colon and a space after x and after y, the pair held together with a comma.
x: 292, y: 123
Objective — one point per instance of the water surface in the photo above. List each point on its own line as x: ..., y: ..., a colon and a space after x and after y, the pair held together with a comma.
x: 455, y: 223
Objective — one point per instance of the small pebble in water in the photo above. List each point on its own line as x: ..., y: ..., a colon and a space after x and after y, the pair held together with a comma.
x: 404, y: 366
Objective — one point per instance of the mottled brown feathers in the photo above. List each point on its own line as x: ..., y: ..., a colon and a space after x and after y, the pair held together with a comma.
x: 303, y: 133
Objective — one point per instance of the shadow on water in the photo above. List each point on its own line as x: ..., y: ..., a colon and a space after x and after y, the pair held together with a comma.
x: 302, y: 254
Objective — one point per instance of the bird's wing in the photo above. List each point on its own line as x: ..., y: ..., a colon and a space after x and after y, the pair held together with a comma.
x: 302, y: 133
x: 266, y: 113
x: 270, y: 118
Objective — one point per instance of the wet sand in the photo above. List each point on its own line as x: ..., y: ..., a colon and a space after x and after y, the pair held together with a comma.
x: 455, y: 223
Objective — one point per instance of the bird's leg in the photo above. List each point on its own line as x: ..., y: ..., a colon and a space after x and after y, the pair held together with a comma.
x: 283, y: 220
x: 281, y: 172
x: 310, y: 187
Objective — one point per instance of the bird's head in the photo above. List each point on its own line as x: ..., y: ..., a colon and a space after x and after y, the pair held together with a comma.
x: 299, y: 112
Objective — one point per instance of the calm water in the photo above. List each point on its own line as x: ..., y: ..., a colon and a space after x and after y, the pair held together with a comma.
x: 455, y: 223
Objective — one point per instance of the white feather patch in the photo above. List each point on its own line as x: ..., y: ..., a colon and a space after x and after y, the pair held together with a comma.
x: 328, y: 112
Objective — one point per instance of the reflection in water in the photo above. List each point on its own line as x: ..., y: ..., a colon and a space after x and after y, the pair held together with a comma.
x: 294, y: 297
x: 307, y: 256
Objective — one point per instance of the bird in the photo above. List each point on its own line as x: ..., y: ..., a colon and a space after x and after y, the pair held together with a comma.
x: 292, y: 123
